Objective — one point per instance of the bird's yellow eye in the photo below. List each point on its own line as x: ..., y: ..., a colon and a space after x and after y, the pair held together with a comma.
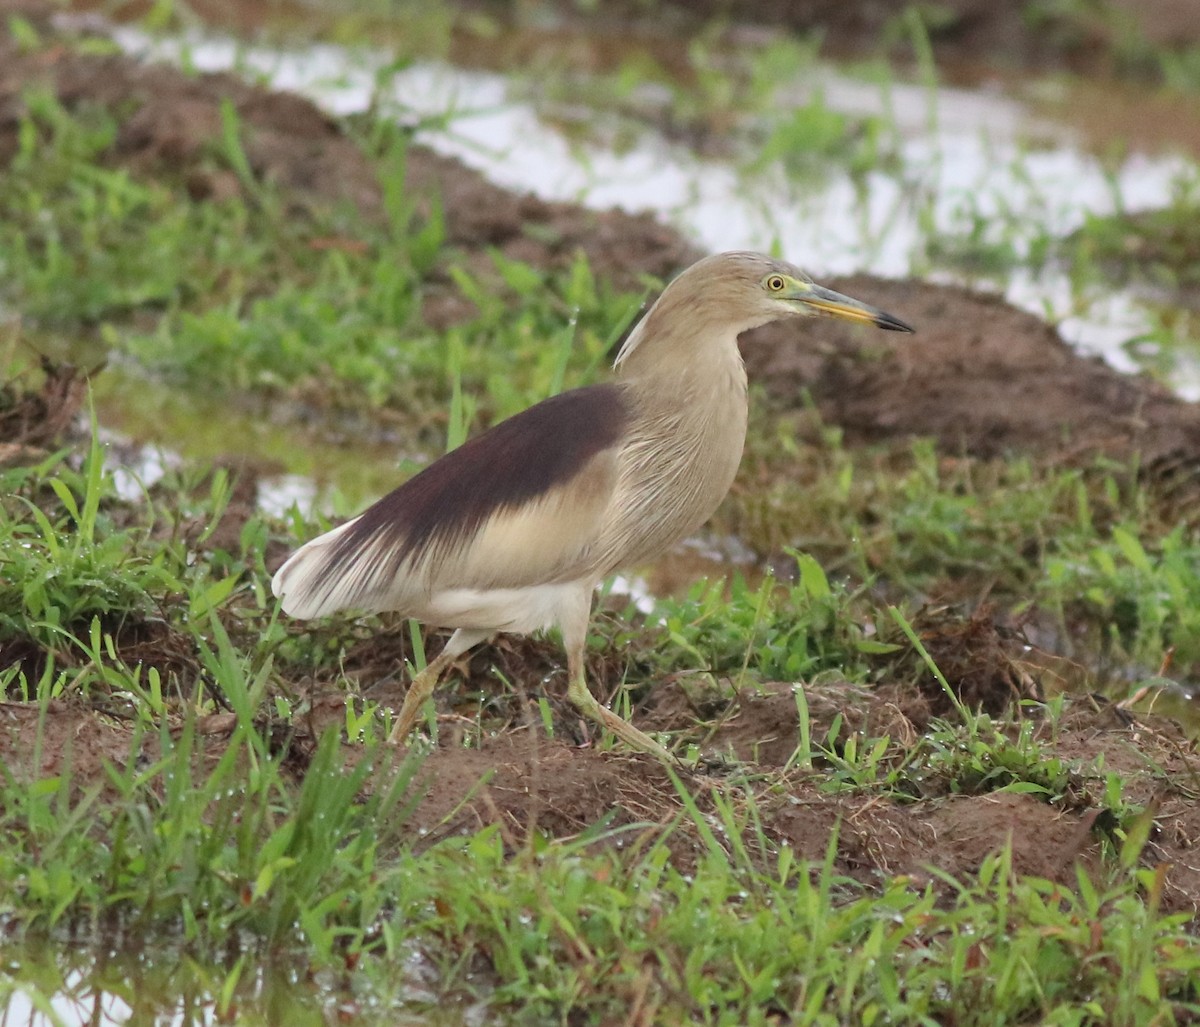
x: 775, y: 283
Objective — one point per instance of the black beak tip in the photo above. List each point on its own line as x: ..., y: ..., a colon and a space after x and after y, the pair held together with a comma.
x: 893, y: 324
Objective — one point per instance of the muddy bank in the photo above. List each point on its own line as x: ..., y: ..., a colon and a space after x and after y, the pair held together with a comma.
x: 979, y: 376
x: 967, y: 36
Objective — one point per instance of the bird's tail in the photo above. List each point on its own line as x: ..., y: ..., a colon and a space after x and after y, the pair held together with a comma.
x: 309, y: 584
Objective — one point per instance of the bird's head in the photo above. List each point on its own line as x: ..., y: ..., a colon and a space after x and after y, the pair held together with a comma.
x: 719, y: 297
x: 789, y: 292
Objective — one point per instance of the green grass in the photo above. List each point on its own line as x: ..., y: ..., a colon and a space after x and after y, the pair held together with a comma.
x: 1156, y: 247
x: 749, y: 933
x: 223, y: 835
x: 233, y: 296
x: 195, y: 841
x: 111, y: 244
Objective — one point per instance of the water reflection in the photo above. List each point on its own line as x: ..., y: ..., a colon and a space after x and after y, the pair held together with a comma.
x: 51, y: 988
x: 291, y: 463
x: 44, y: 986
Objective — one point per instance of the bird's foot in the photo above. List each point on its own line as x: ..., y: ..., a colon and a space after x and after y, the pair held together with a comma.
x: 414, y: 701
x: 587, y: 704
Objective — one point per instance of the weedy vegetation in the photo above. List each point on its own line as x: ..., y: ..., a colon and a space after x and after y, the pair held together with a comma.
x: 196, y: 797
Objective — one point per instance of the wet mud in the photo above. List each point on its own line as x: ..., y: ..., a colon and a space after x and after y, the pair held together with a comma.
x: 965, y: 35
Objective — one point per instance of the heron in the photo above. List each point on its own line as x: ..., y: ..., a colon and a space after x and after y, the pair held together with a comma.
x: 514, y: 530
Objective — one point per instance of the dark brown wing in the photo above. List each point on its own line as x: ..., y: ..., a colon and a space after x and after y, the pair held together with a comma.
x: 511, y: 507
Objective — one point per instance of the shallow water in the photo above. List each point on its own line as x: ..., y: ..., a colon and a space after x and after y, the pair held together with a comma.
x: 292, y: 466
x: 44, y: 985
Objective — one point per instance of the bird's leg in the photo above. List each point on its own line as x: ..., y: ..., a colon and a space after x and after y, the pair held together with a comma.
x: 574, y: 630
x: 422, y: 686
x: 591, y: 707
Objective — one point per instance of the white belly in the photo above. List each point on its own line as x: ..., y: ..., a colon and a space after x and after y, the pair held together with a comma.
x: 521, y: 610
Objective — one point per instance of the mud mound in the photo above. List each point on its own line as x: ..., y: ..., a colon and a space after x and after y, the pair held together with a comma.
x: 880, y: 839
x: 981, y: 658
x: 34, y: 416
x: 979, y: 376
x: 523, y: 781
x: 74, y: 741
x: 761, y: 724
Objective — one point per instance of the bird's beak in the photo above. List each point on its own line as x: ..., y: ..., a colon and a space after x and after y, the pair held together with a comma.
x: 827, y: 303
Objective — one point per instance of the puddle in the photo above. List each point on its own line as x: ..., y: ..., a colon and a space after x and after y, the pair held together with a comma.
x: 310, y: 469
x: 42, y: 986
x: 695, y: 559
x: 1100, y: 110
x: 975, y: 164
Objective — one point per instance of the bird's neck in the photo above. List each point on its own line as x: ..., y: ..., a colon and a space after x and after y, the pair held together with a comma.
x: 688, y: 409
x: 660, y: 355
x: 695, y: 386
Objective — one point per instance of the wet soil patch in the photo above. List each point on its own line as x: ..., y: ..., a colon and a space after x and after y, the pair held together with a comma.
x: 74, y: 741
x: 966, y: 36
x: 978, y: 376
x: 524, y: 782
